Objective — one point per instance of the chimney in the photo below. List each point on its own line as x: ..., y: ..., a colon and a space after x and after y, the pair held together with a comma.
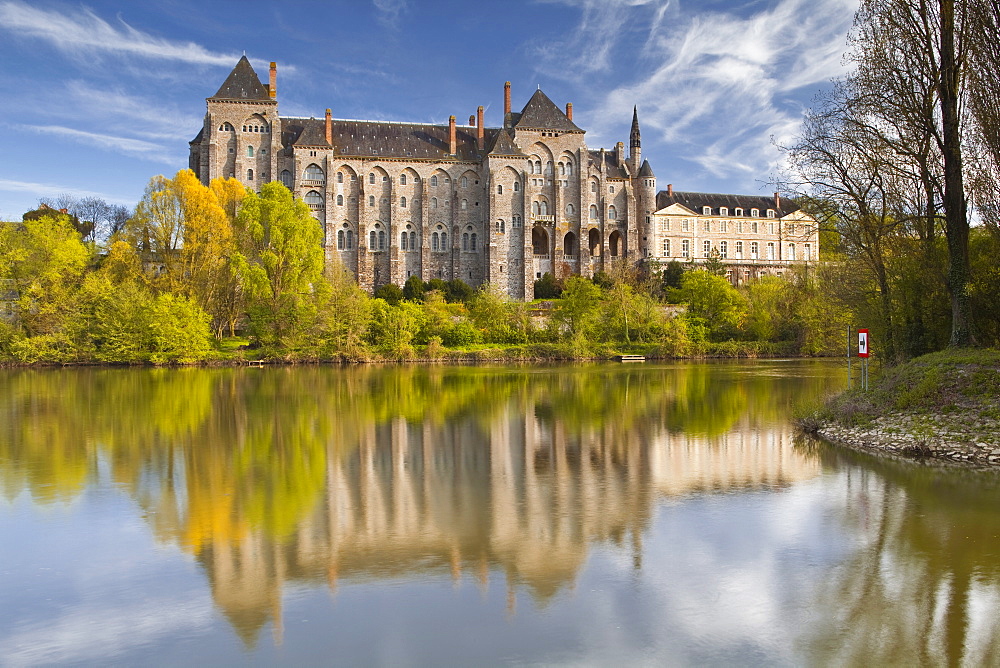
x: 670, y: 190
x: 569, y: 110
x: 64, y: 211
x: 472, y: 120
x: 273, y: 88
x: 451, y: 135
x: 777, y: 200
x: 329, y: 128
x: 506, y: 98
x: 480, y: 130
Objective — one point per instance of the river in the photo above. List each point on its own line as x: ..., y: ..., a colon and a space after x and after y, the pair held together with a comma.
x: 596, y: 514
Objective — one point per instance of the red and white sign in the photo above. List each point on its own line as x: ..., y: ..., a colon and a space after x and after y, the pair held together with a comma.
x: 862, y: 343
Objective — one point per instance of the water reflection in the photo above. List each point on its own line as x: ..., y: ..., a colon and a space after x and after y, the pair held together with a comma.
x: 324, y: 476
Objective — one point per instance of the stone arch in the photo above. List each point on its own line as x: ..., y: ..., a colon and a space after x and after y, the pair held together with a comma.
x: 569, y: 162
x: 594, y: 242
x: 569, y: 244
x: 615, y: 243
x: 539, y: 240
x: 471, y: 179
x: 595, y: 186
x: 540, y: 206
x: 313, y: 174
x: 350, y: 175
x: 440, y: 179
x: 256, y: 124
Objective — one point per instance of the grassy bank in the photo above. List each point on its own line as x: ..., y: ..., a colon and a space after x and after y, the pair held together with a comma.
x: 944, y: 405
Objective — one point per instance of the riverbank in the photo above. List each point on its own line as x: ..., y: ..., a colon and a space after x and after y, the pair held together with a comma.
x: 943, y: 406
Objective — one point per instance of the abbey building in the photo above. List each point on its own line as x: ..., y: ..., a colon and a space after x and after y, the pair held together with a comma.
x: 501, y: 205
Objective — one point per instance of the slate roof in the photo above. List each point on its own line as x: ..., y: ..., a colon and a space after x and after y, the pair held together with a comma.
x: 380, y: 139
x: 541, y: 113
x: 612, y: 169
x: 696, y: 202
x: 646, y: 171
x: 503, y: 144
x: 242, y: 84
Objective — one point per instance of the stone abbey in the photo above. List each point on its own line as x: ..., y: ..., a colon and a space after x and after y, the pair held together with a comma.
x: 500, y: 205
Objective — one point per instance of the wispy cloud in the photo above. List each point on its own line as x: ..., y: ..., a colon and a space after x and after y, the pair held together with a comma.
x: 54, y: 190
x: 719, y: 86
x: 135, y: 147
x: 389, y: 12
x: 84, y: 30
x: 151, y: 119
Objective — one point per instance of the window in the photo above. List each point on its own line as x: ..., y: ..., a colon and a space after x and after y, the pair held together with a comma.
x: 791, y: 252
x: 611, y: 190
x: 402, y: 179
x: 472, y: 243
x: 435, y: 241
x: 593, y: 186
x: 340, y: 177
x: 286, y: 178
x: 371, y: 178
x: 706, y: 211
x: 707, y: 247
x: 754, y: 250
x: 755, y: 213
x: 340, y: 200
x: 723, y: 249
x: 434, y: 180
x: 770, y: 250
x: 570, y: 210
x: 770, y: 228
x: 340, y: 239
x: 500, y: 190
x: 313, y: 173
x: 434, y: 202
x: 738, y: 212
x: 371, y: 240
x: 739, y: 250
x: 444, y: 241
x: 685, y: 225
x: 314, y: 199
x: 707, y: 226
x: 753, y: 227
x: 538, y: 167
x: 739, y: 227
x: 789, y: 228
x: 517, y: 187
x: 685, y: 248
x: 350, y: 239
x: 724, y: 226
x: 593, y: 212
x: 249, y: 175
x: 465, y: 182
x: 770, y: 213
x: 465, y: 204
x: 516, y: 221
x: 465, y: 241
x: 371, y: 200
x: 562, y: 169
x: 413, y: 241
x: 666, y: 247
x: 569, y: 169
x: 723, y: 211
x: 249, y: 151
x: 612, y: 213
x: 381, y: 240
x: 402, y: 240
x: 807, y: 253
x: 402, y: 202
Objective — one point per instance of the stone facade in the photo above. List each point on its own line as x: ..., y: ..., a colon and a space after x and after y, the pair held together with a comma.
x: 501, y: 205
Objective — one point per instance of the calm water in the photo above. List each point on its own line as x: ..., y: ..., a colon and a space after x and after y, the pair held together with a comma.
x: 601, y: 514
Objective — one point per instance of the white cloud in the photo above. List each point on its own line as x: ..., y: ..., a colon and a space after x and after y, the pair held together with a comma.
x: 144, y: 117
x: 134, y: 147
x: 55, y: 190
x: 388, y: 12
x: 84, y: 30
x: 719, y: 86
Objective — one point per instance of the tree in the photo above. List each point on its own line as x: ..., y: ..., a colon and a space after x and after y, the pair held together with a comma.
x: 413, y: 289
x: 714, y: 301
x: 579, y: 307
x: 547, y: 287
x: 279, y: 257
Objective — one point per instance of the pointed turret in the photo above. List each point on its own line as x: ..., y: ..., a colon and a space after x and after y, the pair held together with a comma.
x: 541, y: 113
x: 242, y: 84
x: 634, y: 142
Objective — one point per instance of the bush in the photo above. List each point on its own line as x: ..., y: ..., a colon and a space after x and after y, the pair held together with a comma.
x: 390, y: 292
x: 547, y: 287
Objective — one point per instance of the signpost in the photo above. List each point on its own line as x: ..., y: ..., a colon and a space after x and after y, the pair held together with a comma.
x: 863, y: 354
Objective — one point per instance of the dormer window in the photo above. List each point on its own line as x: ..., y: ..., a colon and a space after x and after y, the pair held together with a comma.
x: 723, y: 211
x: 755, y: 213
x: 738, y: 212
x: 770, y: 213
x: 706, y: 211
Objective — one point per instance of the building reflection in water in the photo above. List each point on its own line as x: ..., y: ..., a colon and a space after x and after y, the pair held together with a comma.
x: 363, y: 475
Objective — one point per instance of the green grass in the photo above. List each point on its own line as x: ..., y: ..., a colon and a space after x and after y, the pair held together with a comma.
x: 942, y: 383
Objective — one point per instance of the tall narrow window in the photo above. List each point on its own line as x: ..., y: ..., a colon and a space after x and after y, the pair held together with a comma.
x: 413, y: 241
x: 435, y: 241
x: 340, y: 200
x: 402, y: 240
x: 434, y: 202
x: 381, y: 240
x: 465, y: 241
x: 791, y: 252
x: 770, y: 250
x: 350, y: 239
x: 666, y: 248
x: 499, y: 190
x: 249, y: 151
x: 402, y: 179
x: 686, y: 248
x: 517, y: 187
x: 340, y: 177
x: 707, y: 247
x: 371, y: 200
x: 340, y: 239
x: 444, y: 241
x: 371, y: 241
x: 249, y: 175
x: 723, y: 249
x: 402, y: 202
x: 807, y: 252
x: 754, y: 250
x: 472, y: 243
x: 612, y: 213
x: 465, y: 182
x: 434, y: 180
x: 570, y: 210
x: 371, y: 178
x: 739, y: 250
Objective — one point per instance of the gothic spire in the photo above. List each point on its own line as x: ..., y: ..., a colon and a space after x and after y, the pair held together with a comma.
x: 634, y: 142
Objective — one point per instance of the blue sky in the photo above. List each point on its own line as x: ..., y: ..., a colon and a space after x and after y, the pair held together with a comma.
x: 104, y: 95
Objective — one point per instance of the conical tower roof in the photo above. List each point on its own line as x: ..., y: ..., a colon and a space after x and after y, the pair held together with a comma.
x: 242, y: 84
x: 504, y: 145
x: 541, y: 113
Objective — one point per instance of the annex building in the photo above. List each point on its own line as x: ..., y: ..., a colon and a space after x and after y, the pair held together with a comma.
x: 502, y: 205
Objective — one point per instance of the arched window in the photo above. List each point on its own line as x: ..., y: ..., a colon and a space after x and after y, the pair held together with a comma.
x: 340, y: 200
x: 472, y: 243
x: 249, y: 175
x: 402, y: 240
x: 444, y: 241
x: 371, y: 177
x: 340, y: 177
x: 517, y: 187
x: 381, y: 239
x: 434, y: 202
x: 569, y: 169
x: 465, y: 182
x: 593, y: 186
x: 569, y: 244
x: 350, y: 239
x: 754, y: 249
x: 402, y: 179
x: 371, y: 200
x: 286, y: 178
x: 340, y: 239
x: 313, y: 173
x: 612, y: 213
x: 465, y: 204
x: 314, y: 199
x: 499, y: 190
x: 593, y: 212
x: 594, y: 242
x: 372, y: 240
x: 435, y: 241
x: 465, y: 241
x: 249, y: 151
x: 538, y: 167
x: 548, y: 167
x: 413, y: 241
x: 501, y: 226
x: 434, y: 180
x: 562, y: 169
x: 543, y: 208
x: 570, y: 210
x: 534, y: 208
x: 402, y: 202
